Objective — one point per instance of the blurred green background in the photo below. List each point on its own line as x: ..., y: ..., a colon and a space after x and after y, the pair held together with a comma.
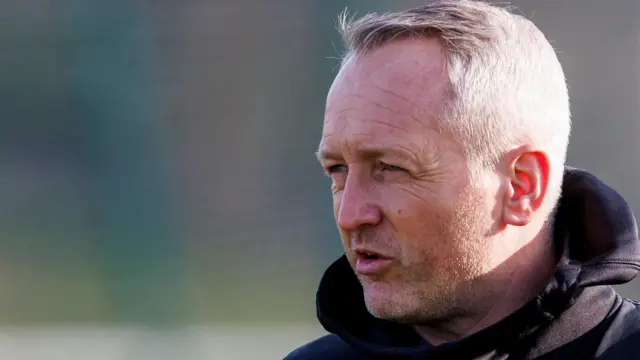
x: 159, y: 197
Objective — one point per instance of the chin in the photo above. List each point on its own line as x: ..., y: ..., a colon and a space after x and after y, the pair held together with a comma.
x: 390, y: 311
x: 380, y: 311
x: 387, y: 303
x: 384, y: 303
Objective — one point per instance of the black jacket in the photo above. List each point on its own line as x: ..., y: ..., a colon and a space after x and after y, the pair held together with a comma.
x: 577, y: 316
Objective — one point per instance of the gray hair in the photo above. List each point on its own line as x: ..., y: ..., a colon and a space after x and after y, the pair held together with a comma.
x: 507, y: 85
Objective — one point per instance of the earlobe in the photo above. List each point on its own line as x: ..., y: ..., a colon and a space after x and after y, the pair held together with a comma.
x: 526, y: 186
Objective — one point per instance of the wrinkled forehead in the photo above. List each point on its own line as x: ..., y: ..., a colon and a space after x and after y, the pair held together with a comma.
x: 398, y: 89
x: 413, y: 68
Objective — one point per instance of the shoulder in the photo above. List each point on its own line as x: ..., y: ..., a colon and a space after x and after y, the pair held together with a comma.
x: 327, y: 347
x: 628, y: 318
x: 622, y: 338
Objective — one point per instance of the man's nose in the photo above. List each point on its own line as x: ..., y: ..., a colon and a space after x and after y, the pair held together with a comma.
x: 358, y: 205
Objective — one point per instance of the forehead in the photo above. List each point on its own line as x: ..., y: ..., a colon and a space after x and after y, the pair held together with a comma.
x: 392, y: 94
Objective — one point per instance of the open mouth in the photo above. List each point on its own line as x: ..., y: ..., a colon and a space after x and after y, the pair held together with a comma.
x: 369, y: 255
x: 370, y: 263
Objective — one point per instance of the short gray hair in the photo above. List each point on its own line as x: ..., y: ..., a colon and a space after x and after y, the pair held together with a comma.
x: 507, y: 85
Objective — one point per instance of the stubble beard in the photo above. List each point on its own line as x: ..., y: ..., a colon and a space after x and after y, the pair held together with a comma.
x: 427, y: 294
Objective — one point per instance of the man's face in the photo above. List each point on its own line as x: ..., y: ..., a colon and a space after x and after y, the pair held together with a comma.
x: 400, y: 187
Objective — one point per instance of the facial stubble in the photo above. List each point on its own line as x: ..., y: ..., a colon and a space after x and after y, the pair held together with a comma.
x: 430, y: 289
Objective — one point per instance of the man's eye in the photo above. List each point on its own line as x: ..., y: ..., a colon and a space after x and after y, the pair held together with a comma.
x: 333, y: 169
x: 388, y: 167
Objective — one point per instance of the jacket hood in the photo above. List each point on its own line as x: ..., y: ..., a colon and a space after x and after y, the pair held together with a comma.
x: 595, y: 232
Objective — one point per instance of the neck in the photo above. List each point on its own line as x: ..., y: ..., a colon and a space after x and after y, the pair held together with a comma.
x: 504, y: 290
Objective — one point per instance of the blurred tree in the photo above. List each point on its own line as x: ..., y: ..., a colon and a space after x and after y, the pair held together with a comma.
x: 110, y: 94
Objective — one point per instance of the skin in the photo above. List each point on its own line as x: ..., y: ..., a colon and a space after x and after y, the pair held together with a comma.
x: 463, y: 255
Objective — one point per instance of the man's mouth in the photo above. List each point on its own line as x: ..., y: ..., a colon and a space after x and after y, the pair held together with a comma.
x: 370, y: 254
x: 371, y: 263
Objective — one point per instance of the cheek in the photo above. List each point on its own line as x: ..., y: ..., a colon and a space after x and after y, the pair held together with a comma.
x: 414, y: 215
x: 420, y: 227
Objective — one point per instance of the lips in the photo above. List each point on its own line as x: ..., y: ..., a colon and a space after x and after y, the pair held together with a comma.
x: 370, y: 262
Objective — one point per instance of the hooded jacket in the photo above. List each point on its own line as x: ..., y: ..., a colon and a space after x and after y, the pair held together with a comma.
x: 577, y: 316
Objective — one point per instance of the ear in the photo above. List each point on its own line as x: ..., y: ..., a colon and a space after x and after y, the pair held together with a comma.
x: 528, y: 180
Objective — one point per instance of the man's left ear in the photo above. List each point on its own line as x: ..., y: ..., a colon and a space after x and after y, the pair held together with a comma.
x: 528, y: 179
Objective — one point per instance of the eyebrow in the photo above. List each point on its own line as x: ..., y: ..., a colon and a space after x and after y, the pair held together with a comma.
x: 369, y: 152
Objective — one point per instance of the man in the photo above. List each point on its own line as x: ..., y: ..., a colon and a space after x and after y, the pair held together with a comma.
x: 445, y: 137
